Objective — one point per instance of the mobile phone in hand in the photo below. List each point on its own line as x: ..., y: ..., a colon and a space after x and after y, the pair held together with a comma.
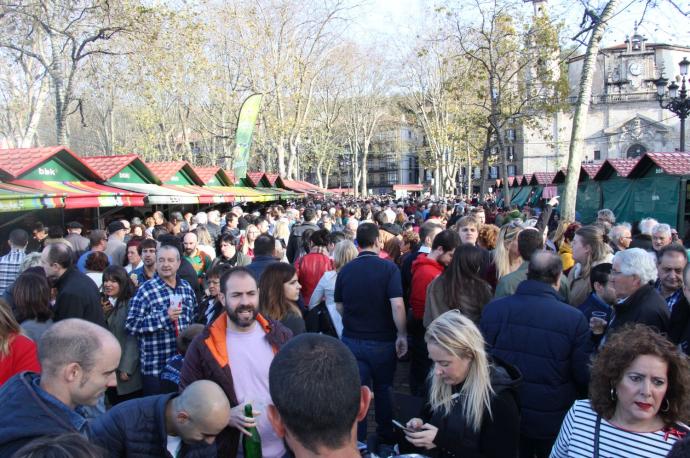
x: 397, y: 424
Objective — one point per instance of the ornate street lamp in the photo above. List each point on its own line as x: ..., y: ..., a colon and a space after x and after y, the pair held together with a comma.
x: 674, y: 101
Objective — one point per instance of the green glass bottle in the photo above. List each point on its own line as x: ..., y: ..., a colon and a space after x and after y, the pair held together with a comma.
x: 251, y: 444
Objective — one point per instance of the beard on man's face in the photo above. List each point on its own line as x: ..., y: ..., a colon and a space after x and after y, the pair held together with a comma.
x: 243, y: 315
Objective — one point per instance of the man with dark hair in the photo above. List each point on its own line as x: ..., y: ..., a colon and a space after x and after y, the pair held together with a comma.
x: 295, y: 248
x: 264, y: 249
x: 425, y: 268
x: 78, y: 296
x: 78, y: 363
x: 39, y: 234
x: 529, y: 242
x: 147, y: 251
x: 671, y: 261
x: 236, y: 351
x: 178, y: 222
x: 368, y: 295
x: 317, y: 397
x: 679, y: 328
x: 479, y: 214
x: 161, y: 309
x: 178, y: 425
x: 231, y: 223
x: 549, y: 341
x: 333, y: 239
x: 97, y: 242
x: 11, y: 262
x: 434, y: 214
x: 603, y: 296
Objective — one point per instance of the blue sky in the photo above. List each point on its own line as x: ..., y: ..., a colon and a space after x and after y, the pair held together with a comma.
x: 400, y: 20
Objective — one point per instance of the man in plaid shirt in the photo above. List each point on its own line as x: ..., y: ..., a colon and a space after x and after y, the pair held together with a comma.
x: 161, y: 309
x: 10, y: 263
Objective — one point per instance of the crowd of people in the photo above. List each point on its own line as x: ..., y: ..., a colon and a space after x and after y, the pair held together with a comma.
x: 525, y: 335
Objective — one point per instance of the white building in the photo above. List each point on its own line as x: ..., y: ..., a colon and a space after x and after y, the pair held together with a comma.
x: 625, y: 119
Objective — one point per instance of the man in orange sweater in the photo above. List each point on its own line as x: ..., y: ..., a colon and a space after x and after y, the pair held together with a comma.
x: 424, y: 269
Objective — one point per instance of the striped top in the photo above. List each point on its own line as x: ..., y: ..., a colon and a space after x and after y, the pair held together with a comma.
x: 576, y: 438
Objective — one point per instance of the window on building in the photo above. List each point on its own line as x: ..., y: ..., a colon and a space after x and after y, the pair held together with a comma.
x: 510, y: 152
x: 512, y: 170
x: 493, y: 172
x: 597, y: 155
x: 510, y: 135
x: 636, y: 150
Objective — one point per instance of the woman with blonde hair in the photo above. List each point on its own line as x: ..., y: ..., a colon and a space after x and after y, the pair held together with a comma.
x: 506, y: 256
x: 247, y: 247
x: 281, y: 231
x: 17, y: 352
x: 205, y: 241
x: 343, y: 253
x: 472, y: 408
x: 590, y: 248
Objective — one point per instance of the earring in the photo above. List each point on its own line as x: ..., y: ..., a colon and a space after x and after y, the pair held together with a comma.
x: 613, y: 394
x: 668, y: 406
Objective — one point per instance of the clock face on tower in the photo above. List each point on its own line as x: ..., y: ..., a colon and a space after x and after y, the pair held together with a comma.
x: 634, y: 68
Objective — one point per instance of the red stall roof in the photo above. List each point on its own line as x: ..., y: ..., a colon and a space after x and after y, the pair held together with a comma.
x: 18, y: 161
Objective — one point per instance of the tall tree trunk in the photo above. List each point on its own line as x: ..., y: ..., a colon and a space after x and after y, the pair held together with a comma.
x: 292, y: 169
x: 280, y: 153
x: 576, y: 150
x: 468, y: 175
x: 363, y: 170
x: 504, y: 166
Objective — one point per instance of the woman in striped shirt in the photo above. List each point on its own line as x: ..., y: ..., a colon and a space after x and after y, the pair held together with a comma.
x: 639, y: 392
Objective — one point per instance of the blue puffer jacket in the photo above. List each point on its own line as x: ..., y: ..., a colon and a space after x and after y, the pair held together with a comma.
x: 549, y: 342
x: 25, y: 416
x: 136, y: 429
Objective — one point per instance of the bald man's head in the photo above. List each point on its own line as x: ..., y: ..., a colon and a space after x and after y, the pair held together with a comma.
x: 72, y: 341
x: 545, y: 266
x: 78, y: 361
x: 199, y: 413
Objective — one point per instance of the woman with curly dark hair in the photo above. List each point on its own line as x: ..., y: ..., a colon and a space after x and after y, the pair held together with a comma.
x: 639, y: 393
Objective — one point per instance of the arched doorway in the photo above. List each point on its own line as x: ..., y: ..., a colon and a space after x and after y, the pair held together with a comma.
x: 636, y: 150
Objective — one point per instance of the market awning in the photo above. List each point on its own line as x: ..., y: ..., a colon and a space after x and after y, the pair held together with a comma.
x: 159, y: 195
x: 205, y: 194
x: 18, y: 198
x: 86, y: 194
x: 244, y: 194
x: 279, y: 193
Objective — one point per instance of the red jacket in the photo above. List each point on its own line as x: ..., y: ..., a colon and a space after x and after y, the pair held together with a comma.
x: 310, y: 269
x: 21, y: 357
x: 424, y: 270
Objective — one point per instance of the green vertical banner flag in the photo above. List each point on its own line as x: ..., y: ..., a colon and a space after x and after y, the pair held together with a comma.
x: 243, y: 137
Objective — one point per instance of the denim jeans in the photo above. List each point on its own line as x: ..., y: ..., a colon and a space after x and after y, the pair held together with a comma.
x: 376, y: 361
x: 420, y: 364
